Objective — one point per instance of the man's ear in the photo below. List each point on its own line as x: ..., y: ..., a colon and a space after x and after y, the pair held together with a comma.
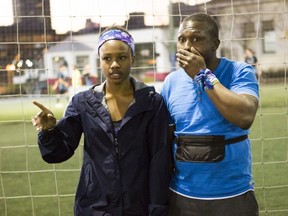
x: 133, y: 59
x: 216, y: 43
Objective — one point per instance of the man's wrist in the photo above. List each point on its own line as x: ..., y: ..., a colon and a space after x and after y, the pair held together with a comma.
x: 209, y: 79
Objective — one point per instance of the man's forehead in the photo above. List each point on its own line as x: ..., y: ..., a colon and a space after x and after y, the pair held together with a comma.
x: 189, y: 25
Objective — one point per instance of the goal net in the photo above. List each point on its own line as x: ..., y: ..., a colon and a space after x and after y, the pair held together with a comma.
x: 43, y: 41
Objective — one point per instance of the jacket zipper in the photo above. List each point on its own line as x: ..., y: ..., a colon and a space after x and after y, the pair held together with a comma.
x: 114, y: 135
x: 116, y: 147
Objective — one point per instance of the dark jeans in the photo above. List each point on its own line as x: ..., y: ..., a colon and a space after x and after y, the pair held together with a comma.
x: 243, y: 205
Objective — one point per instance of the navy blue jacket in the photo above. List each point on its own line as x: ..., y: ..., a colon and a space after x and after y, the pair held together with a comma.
x: 125, y: 174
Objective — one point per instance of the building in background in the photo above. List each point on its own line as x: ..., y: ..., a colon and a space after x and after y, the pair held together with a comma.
x: 33, y: 12
x: 258, y: 25
x: 22, y: 46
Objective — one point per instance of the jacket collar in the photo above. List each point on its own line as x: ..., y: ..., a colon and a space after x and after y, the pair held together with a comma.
x: 143, y: 95
x: 137, y: 85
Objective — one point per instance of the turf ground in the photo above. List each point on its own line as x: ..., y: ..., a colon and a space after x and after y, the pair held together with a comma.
x: 27, y: 182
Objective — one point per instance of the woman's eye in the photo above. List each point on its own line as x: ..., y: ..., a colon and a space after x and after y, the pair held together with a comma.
x: 180, y: 40
x: 106, y: 58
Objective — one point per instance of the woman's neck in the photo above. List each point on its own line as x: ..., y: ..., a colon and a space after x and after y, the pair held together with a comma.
x: 118, y: 98
x: 119, y: 89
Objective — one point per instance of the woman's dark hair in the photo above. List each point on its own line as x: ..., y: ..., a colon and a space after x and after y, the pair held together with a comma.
x: 211, y: 22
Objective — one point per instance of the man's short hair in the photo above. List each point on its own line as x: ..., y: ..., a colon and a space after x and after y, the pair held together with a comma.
x: 202, y: 17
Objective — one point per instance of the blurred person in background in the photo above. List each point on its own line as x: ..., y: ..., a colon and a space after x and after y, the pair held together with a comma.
x: 251, y: 59
x: 61, y: 85
x: 126, y: 164
x: 212, y: 104
x: 76, y: 79
x: 87, y: 76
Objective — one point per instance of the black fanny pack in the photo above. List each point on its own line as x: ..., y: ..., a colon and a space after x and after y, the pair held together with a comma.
x: 203, y: 148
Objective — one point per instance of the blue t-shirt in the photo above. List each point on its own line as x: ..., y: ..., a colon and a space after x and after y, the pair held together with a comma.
x: 193, y: 113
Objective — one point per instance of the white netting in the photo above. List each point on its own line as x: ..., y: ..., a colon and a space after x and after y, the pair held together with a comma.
x: 36, y: 41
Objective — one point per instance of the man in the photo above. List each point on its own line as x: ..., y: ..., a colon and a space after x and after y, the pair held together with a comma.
x: 212, y: 104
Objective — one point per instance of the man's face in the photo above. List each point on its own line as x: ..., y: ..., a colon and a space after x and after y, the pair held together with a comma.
x: 195, y: 34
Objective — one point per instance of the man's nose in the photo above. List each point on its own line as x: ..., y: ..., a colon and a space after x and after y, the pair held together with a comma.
x: 187, y: 45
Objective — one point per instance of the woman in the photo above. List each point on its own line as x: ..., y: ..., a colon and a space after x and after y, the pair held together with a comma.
x: 126, y: 156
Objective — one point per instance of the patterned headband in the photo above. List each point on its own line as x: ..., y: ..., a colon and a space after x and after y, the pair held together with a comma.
x: 116, y: 34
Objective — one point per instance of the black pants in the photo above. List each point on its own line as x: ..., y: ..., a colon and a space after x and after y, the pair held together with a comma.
x: 243, y: 205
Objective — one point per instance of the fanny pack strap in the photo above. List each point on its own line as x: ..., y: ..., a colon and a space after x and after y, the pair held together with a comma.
x: 236, y: 139
x: 214, y: 138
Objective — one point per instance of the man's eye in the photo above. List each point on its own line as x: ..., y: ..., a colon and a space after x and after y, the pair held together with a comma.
x: 194, y: 39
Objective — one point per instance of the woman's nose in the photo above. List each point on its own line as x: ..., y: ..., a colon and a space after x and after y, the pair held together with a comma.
x: 114, y: 64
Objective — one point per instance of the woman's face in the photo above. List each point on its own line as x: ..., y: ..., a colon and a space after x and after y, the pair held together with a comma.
x: 116, y: 61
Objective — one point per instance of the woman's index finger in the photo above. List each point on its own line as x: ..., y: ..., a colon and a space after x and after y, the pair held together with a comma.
x: 41, y: 106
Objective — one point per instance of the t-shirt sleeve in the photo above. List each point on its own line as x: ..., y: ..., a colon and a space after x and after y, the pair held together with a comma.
x: 245, y: 81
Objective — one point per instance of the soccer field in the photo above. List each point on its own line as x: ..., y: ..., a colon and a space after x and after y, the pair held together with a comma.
x: 29, y: 186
